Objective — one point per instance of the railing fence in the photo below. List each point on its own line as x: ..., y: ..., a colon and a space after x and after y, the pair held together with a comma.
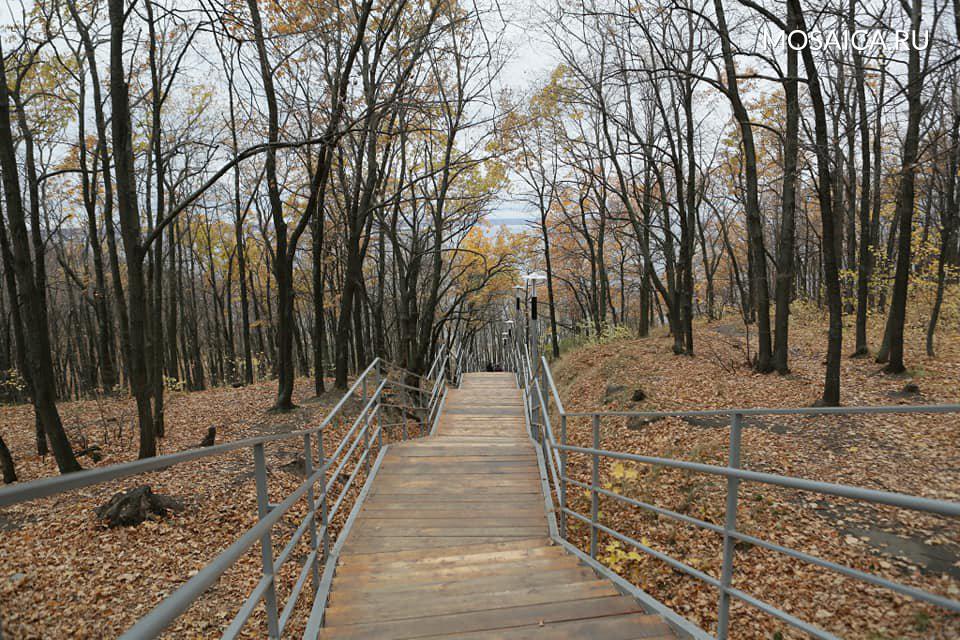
x: 538, y: 387
x: 380, y: 387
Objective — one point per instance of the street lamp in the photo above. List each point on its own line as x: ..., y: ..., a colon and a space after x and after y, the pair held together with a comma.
x: 518, y: 290
x: 508, y: 338
x: 532, y: 279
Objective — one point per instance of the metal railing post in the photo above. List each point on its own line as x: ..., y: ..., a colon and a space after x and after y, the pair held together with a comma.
x: 266, y: 544
x: 537, y: 412
x: 544, y: 384
x: 324, y: 518
x: 563, y: 476
x: 311, y: 511
x: 422, y: 394
x: 366, y: 442
x: 729, y: 527
x: 376, y: 407
x: 594, y: 483
x: 377, y: 423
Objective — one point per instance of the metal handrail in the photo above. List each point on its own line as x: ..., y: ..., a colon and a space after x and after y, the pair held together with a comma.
x: 43, y: 487
x: 355, y: 448
x: 536, y: 408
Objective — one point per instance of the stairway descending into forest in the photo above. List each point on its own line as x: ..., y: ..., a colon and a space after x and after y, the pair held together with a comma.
x: 452, y: 540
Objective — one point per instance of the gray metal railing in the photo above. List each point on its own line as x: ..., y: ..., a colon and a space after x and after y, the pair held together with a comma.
x: 537, y: 385
x: 378, y: 389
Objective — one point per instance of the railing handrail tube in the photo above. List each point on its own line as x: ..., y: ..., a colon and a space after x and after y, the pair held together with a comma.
x: 535, y: 394
x: 363, y: 430
x: 170, y: 608
x: 343, y: 441
x: 876, y: 496
x: 773, y: 411
x: 879, y: 581
x: 553, y: 387
x: 43, y: 487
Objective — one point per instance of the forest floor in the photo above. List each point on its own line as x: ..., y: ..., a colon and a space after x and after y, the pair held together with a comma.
x: 917, y: 454
x: 65, y: 575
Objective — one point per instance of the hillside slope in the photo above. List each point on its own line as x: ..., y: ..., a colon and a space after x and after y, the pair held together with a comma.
x: 918, y: 455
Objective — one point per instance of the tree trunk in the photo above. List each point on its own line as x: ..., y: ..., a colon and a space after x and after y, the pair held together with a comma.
x: 130, y: 231
x: 6, y: 464
x: 754, y: 221
x: 39, y: 355
x: 831, y: 386
x: 785, y: 249
x: 905, y: 200
x: 865, y: 259
x: 950, y: 217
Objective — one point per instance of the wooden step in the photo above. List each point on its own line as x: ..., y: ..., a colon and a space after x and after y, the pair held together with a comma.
x: 460, y: 572
x: 373, y: 593
x: 443, y: 555
x: 409, y: 604
x: 632, y: 626
x: 379, y: 545
x: 489, y: 620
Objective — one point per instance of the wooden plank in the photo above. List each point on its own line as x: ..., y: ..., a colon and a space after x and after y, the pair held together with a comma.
x: 485, y: 620
x: 493, y: 467
x: 482, y: 502
x: 485, y: 517
x: 412, y: 605
x: 389, y: 531
x: 466, y: 494
x: 448, y: 521
x: 379, y: 545
x: 513, y: 483
x: 446, y: 573
x: 453, y: 456
x: 633, y: 626
x: 530, y: 547
x: 477, y: 501
x: 438, y: 448
x: 374, y: 593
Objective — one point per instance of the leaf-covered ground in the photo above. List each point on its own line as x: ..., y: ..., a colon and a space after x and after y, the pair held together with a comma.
x: 914, y: 454
x: 64, y: 575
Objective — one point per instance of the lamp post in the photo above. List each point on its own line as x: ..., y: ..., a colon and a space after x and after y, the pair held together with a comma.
x: 520, y: 291
x: 508, y: 340
x: 532, y: 280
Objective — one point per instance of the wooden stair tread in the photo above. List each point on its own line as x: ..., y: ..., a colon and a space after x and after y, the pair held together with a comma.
x: 462, y: 572
x: 504, y: 617
x: 631, y: 626
x: 413, y: 605
x: 368, y: 592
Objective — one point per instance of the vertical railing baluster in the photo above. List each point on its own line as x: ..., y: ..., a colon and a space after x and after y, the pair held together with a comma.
x: 324, y: 518
x: 422, y: 416
x: 266, y: 544
x: 379, y: 428
x: 312, y: 511
x: 594, y: 483
x: 563, y: 476
x: 366, y: 442
x: 535, y: 412
x: 729, y: 527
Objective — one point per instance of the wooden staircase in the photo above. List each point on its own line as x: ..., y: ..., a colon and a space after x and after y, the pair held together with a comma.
x: 452, y: 541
